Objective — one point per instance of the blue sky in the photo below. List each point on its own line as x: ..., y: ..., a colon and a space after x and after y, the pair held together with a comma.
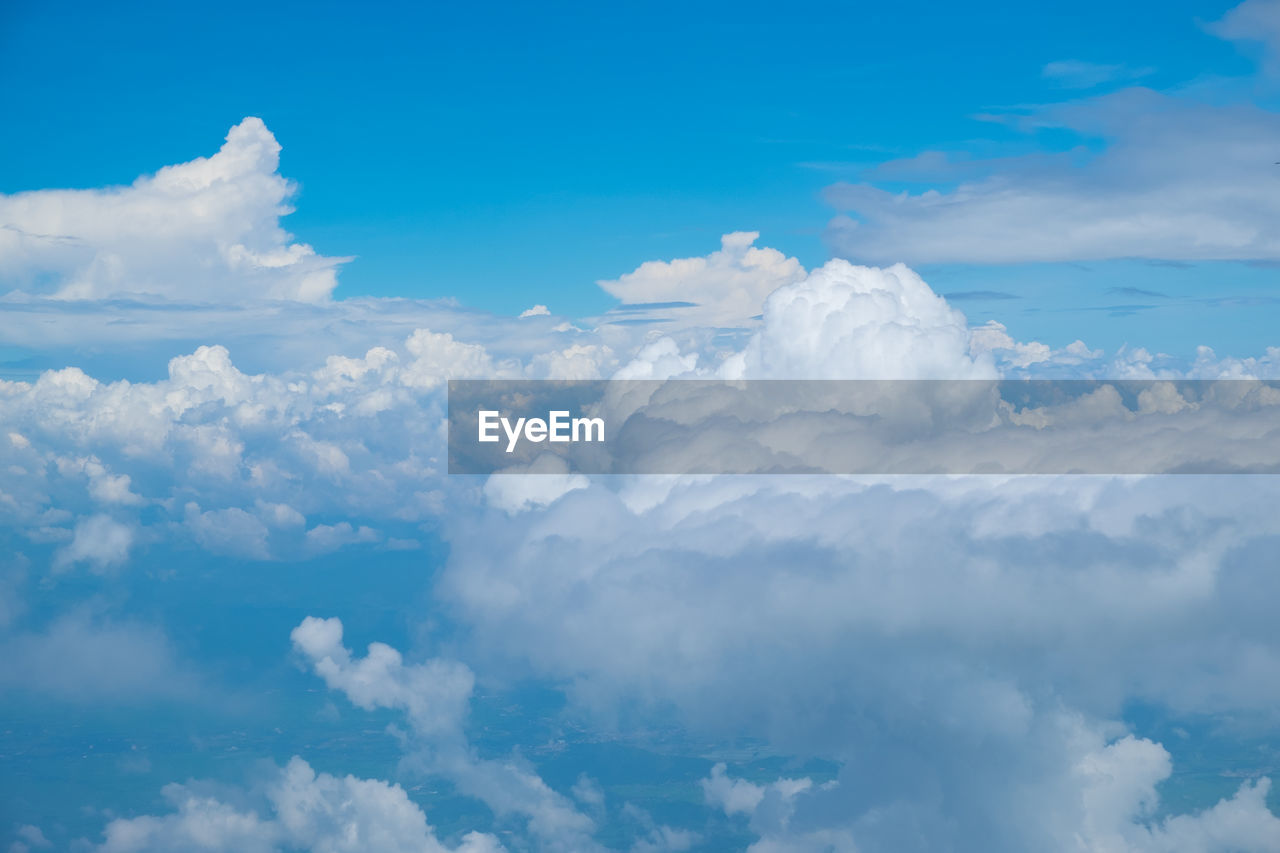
x: 485, y: 153
x: 244, y: 607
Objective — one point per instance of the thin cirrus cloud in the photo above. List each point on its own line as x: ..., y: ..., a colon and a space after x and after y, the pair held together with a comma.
x: 1254, y: 23
x: 1077, y: 74
x: 1175, y: 180
x: 1184, y: 175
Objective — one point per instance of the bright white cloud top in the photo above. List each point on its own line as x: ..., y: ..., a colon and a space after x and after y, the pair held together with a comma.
x: 204, y: 231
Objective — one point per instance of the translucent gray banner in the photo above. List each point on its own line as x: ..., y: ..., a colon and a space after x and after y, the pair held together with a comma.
x: 864, y: 427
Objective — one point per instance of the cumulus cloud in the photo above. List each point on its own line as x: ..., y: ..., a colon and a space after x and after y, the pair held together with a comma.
x: 248, y: 444
x: 300, y: 810
x: 961, y: 649
x: 850, y: 322
x: 660, y: 359
x: 99, y: 541
x: 227, y: 531
x: 202, y: 231
x: 725, y: 288
x: 515, y: 490
x: 435, y: 696
x: 769, y: 809
x: 232, y: 460
x: 1119, y: 797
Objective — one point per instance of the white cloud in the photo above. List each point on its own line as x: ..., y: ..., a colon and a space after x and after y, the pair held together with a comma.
x: 227, y: 531
x: 536, y: 311
x: 1119, y: 797
x: 543, y: 481
x: 302, y: 810
x: 100, y: 541
x: 203, y: 231
x: 725, y: 288
x: 329, y: 537
x: 850, y: 322
x: 957, y: 647
x: 81, y: 658
x: 1077, y: 74
x: 769, y: 809
x: 1254, y: 21
x: 1175, y: 179
x: 30, y: 838
x: 435, y: 697
x: 994, y: 337
x: 438, y: 357
x: 660, y: 359
x: 358, y: 440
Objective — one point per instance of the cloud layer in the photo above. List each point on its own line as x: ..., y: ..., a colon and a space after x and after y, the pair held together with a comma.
x: 961, y: 651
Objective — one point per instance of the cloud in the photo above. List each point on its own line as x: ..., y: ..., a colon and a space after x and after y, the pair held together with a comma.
x: 737, y: 796
x: 203, y: 231
x: 851, y: 322
x: 29, y: 838
x: 1175, y: 179
x: 435, y: 697
x: 227, y: 531
x: 1137, y: 292
x: 769, y: 809
x: 81, y: 658
x: 1076, y: 74
x: 1254, y: 21
x: 1177, y: 176
x: 357, y: 442
x: 960, y: 647
x: 99, y: 541
x: 994, y: 337
x: 330, y: 537
x: 660, y: 359
x: 978, y: 295
x: 301, y: 810
x: 1119, y: 800
x: 725, y: 288
x: 128, y: 337
x: 541, y: 482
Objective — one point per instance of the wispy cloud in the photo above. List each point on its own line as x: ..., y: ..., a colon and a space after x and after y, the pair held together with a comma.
x: 1076, y: 74
x: 978, y: 295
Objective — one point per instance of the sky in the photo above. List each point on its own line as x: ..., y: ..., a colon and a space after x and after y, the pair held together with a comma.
x: 245, y: 607
x: 481, y: 152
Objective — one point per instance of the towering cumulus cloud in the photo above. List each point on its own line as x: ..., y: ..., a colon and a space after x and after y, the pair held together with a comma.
x: 850, y: 322
x: 207, y: 230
